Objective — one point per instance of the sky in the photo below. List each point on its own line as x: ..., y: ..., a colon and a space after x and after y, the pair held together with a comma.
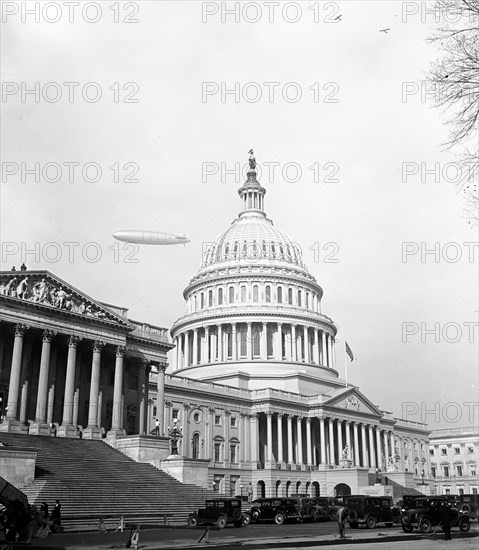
x: 163, y: 101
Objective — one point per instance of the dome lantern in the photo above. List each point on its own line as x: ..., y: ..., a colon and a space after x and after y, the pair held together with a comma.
x: 251, y: 193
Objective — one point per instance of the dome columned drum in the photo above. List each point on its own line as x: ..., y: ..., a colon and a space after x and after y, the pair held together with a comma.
x: 253, y: 312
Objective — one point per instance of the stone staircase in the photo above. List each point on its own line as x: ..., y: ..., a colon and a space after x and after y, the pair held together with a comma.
x: 93, y: 480
x: 398, y: 490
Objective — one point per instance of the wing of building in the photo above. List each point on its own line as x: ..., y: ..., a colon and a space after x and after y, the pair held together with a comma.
x: 254, y: 386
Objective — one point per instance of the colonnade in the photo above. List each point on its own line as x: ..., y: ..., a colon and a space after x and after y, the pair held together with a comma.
x: 16, y: 417
x: 255, y: 340
x: 298, y: 440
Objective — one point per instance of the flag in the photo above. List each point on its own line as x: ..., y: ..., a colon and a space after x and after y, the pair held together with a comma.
x: 349, y: 352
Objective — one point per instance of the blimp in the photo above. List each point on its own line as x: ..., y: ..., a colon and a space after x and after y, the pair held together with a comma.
x: 135, y: 236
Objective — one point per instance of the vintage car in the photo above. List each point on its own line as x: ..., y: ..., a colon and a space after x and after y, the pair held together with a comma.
x: 278, y: 510
x: 425, y: 513
x: 220, y: 512
x: 308, y: 507
x: 369, y: 511
x: 328, y: 508
x: 469, y: 504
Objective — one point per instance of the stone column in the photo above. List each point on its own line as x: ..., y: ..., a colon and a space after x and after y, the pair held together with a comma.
x: 206, y: 357
x: 11, y: 422
x: 364, y: 446
x: 316, y: 346
x: 279, y: 343
x: 348, y: 438
x: 269, y: 437
x: 116, y: 417
x: 234, y: 350
x: 76, y: 391
x: 40, y: 426
x: 220, y: 342
x: 324, y: 351
x: 332, y: 454
x: 142, y: 395
x: 372, y: 454
x: 25, y: 377
x: 306, y: 357
x: 294, y: 347
x: 264, y: 342
x: 186, y: 358
x: 379, y: 461
x: 92, y: 431
x: 340, y: 437
x: 195, y: 346
x: 289, y: 421
x: 160, y: 398
x: 249, y: 343
x: 299, y: 435
x: 213, y: 345
x: 391, y: 441
x: 309, y: 458
x: 356, y: 444
x: 322, y: 441
x: 279, y: 425
x: 386, y: 449
x: 333, y: 352
x: 67, y: 429
x: 254, y: 438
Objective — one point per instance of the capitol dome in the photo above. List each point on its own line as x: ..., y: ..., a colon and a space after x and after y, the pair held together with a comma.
x: 253, y: 311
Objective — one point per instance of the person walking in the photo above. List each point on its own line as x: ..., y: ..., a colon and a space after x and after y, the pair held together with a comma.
x: 56, y: 517
x: 342, y: 515
x: 445, y: 514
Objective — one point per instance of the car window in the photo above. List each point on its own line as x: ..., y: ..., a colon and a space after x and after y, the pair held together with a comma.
x: 234, y: 503
x: 384, y: 502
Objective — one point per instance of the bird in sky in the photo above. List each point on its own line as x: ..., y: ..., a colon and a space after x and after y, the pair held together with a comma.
x: 385, y: 31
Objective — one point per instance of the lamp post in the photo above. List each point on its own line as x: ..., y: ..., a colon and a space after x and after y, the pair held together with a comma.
x: 175, y: 435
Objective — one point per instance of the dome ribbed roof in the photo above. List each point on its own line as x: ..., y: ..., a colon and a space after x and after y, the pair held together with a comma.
x: 251, y: 239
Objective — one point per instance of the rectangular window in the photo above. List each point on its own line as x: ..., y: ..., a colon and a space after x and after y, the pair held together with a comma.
x: 444, y: 451
x: 470, y: 450
x: 459, y: 471
x: 243, y: 337
x: 461, y: 491
x: 446, y: 471
x: 217, y: 450
x: 474, y: 490
x: 431, y: 452
x: 233, y: 421
x: 217, y: 420
x: 233, y: 453
x: 473, y: 471
x: 256, y: 341
x: 433, y: 471
x: 457, y: 450
x: 447, y: 491
x: 175, y: 414
x: 154, y: 412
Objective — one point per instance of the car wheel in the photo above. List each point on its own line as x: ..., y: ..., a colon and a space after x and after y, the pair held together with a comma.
x: 333, y: 516
x: 425, y: 525
x: 464, y: 525
x: 466, y: 509
x: 192, y: 521
x: 255, y: 514
x: 279, y: 519
x: 353, y: 515
x: 371, y: 522
x: 407, y: 528
x: 246, y: 519
x: 405, y: 519
x: 221, y: 522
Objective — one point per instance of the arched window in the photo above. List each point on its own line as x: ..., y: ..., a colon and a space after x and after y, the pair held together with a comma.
x: 307, y: 300
x: 210, y: 298
x: 202, y: 301
x: 280, y: 295
x: 243, y: 293
x: 299, y: 298
x: 195, y: 446
x: 231, y: 297
x: 255, y: 293
x: 194, y: 304
x: 268, y: 293
x: 220, y: 296
x: 290, y: 295
x: 243, y: 338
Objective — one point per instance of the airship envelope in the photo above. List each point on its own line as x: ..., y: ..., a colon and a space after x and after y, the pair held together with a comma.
x: 149, y: 237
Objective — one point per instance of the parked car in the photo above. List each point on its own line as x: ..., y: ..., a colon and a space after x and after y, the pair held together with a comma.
x: 308, y: 507
x: 220, y: 512
x: 328, y: 508
x: 369, y: 511
x: 278, y: 510
x: 469, y: 504
x: 425, y: 513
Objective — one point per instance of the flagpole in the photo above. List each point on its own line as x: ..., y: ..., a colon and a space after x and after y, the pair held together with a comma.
x: 345, y: 364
